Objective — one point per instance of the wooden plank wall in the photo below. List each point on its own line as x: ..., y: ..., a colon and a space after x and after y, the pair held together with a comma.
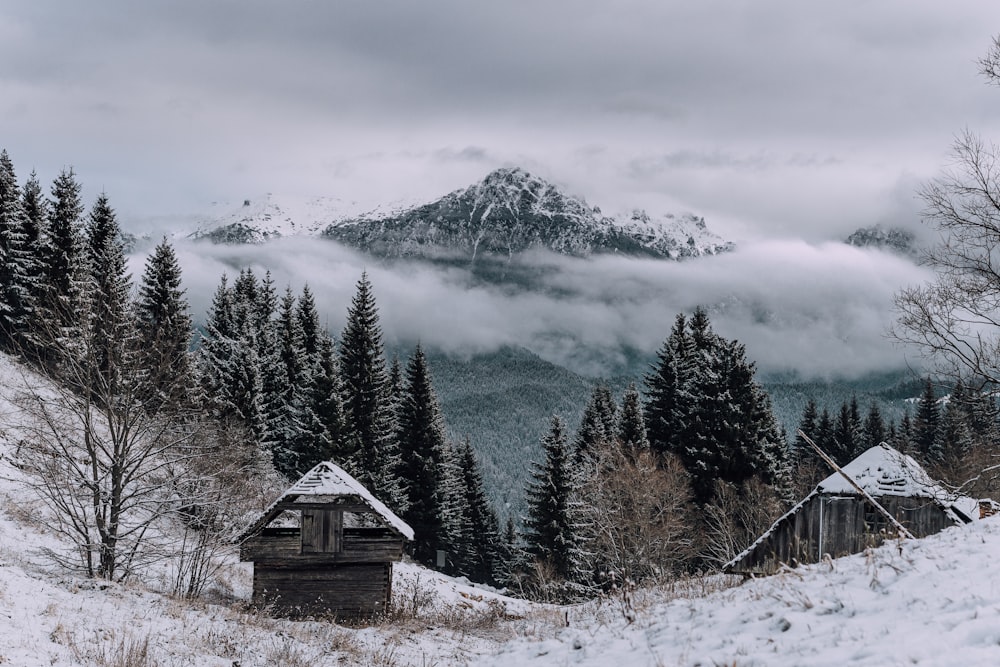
x: 843, y: 525
x: 346, y: 591
x: 359, y: 545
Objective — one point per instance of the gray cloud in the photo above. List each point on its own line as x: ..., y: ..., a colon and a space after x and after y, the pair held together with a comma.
x: 774, y: 116
x: 819, y: 309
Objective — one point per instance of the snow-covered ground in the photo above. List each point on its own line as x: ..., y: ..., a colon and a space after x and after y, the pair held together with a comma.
x: 930, y: 602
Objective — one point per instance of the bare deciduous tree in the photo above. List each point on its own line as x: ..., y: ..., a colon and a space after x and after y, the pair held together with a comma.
x: 636, y: 511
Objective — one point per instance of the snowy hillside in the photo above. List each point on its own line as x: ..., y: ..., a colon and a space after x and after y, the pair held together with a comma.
x: 930, y: 602
x: 507, y: 213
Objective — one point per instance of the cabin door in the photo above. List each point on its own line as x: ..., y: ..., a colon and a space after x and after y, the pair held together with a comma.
x: 322, y: 531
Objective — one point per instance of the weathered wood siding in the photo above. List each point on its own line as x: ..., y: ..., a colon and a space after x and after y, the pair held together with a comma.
x: 346, y: 591
x: 838, y: 526
x: 358, y: 545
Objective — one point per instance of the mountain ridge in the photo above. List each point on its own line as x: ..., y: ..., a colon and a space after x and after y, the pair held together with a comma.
x: 506, y: 214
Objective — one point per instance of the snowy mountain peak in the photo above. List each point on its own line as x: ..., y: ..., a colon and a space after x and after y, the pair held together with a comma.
x: 512, y: 211
x: 509, y: 212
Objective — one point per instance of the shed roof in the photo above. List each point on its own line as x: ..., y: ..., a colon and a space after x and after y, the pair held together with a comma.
x: 884, y: 471
x: 328, y: 481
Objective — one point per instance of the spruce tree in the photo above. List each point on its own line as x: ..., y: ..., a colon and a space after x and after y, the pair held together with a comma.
x: 14, y: 258
x: 108, y: 290
x: 478, y: 548
x: 553, y: 530
x: 423, y: 451
x: 327, y: 403
x: 664, y: 392
x: 631, y: 428
x: 296, y: 435
x: 809, y: 424
x: 34, y: 232
x: 874, y: 428
x: 62, y: 256
x: 705, y: 407
x: 165, y: 331
x: 845, y: 438
x: 371, y: 444
x: 597, y: 426
x: 926, y: 424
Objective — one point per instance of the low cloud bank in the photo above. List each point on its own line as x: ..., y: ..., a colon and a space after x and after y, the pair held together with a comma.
x: 819, y: 310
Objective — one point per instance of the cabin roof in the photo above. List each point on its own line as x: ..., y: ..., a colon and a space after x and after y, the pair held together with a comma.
x: 328, y: 482
x: 884, y: 471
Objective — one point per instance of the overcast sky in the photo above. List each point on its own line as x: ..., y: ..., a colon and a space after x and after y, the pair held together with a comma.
x: 787, y: 124
x: 771, y: 118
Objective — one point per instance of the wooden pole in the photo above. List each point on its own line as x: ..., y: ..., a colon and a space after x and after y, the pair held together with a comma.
x: 903, y: 532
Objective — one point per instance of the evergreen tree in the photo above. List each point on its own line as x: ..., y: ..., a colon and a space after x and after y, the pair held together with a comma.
x: 553, y: 534
x: 62, y: 255
x: 631, y: 428
x: 809, y: 424
x: 326, y: 399
x: 297, y: 437
x: 371, y: 444
x: 954, y: 438
x: 874, y: 428
x: 165, y: 331
x: 478, y: 548
x: 14, y: 258
x: 423, y: 450
x: 706, y: 408
x: 597, y: 426
x: 664, y: 403
x: 926, y: 424
x: 109, y: 287
x: 845, y: 438
x: 34, y: 232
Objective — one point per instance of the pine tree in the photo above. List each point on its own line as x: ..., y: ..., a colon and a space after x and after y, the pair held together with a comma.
x: 809, y: 424
x: 664, y: 392
x: 372, y: 447
x: 327, y: 404
x: 297, y: 436
x: 926, y: 424
x: 14, y: 258
x: 553, y: 534
x: 845, y: 437
x: 62, y: 256
x: 954, y: 440
x: 34, y: 232
x: 231, y: 367
x: 597, y: 426
x: 631, y: 428
x: 109, y: 287
x: 874, y: 428
x: 422, y: 446
x: 165, y: 331
x: 706, y: 408
x: 478, y: 548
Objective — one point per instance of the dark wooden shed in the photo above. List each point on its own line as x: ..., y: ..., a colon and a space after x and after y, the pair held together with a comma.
x: 837, y: 520
x: 326, y: 545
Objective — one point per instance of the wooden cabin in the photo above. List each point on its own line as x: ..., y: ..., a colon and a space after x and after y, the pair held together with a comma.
x: 836, y: 520
x: 325, y: 546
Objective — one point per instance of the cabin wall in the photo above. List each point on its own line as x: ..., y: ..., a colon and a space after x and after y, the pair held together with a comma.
x: 345, y: 591
x: 359, y: 545
x: 839, y: 526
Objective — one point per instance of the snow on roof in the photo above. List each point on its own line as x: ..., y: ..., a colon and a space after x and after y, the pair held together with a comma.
x: 884, y: 471
x: 328, y: 479
x: 881, y: 471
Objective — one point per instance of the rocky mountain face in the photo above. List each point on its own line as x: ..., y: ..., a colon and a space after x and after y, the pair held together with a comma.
x: 894, y: 239
x: 506, y: 214
x: 511, y: 212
